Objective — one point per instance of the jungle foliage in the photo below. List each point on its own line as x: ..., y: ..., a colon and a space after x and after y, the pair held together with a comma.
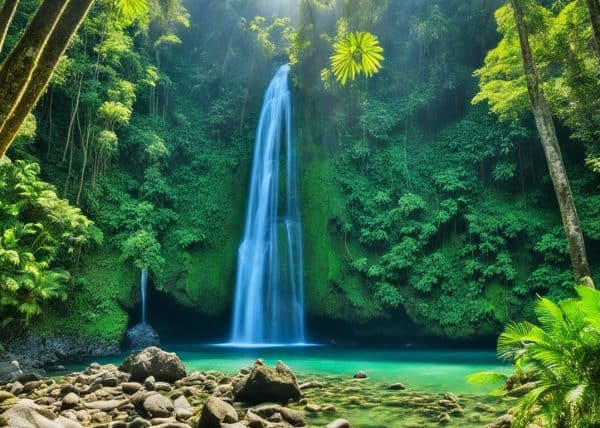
x: 415, y: 203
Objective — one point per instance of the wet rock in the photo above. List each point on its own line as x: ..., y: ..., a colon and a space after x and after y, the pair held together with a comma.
x: 313, y: 408
x: 142, y: 336
x: 6, y: 396
x: 451, y: 397
x: 293, y: 417
x: 158, y: 406
x: 329, y: 408
x: 264, y: 384
x: 131, y: 387
x: 339, y: 423
x: 444, y: 418
x: 312, y: 384
x: 70, y: 400
x: 397, y: 386
x: 16, y: 388
x: 101, y: 417
x: 255, y: 421
x: 504, y: 421
x: 482, y: 407
x: 360, y: 375
x: 153, y: 361
x: 150, y: 383
x: 216, y: 411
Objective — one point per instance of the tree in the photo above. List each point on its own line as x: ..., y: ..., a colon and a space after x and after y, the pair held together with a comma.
x: 50, y: 56
x: 6, y: 15
x: 549, y: 140
x: 594, y: 8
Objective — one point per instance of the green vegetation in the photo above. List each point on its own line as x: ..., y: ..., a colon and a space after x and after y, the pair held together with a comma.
x: 416, y: 204
x: 560, y: 358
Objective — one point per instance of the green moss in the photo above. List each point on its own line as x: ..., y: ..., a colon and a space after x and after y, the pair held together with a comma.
x: 105, y: 288
x: 332, y: 289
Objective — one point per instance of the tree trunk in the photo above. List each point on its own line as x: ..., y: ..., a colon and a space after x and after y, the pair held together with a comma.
x: 556, y: 167
x: 20, y: 64
x: 594, y: 8
x: 68, y: 24
x: 6, y: 15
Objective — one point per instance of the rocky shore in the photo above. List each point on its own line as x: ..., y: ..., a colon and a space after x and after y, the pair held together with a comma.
x: 152, y: 388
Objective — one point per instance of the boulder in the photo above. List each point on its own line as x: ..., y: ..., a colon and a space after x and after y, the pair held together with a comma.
x: 215, y: 412
x: 158, y: 406
x: 153, y: 361
x: 9, y: 371
x: 142, y: 336
x: 27, y: 414
x: 131, y: 387
x: 264, y: 384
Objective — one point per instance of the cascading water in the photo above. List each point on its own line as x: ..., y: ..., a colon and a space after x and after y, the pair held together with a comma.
x: 269, y: 296
x: 143, y: 287
x: 142, y: 335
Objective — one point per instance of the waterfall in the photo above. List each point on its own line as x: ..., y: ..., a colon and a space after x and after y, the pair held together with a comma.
x: 269, y: 294
x: 143, y: 287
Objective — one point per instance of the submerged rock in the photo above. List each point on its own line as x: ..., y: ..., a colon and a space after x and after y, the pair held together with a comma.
x: 265, y: 384
x: 339, y: 423
x: 153, y: 361
x: 360, y: 375
x: 142, y: 336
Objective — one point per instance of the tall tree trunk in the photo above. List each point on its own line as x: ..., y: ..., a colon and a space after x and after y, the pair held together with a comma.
x: 547, y: 132
x: 68, y: 24
x: 20, y: 64
x: 594, y: 8
x: 6, y: 15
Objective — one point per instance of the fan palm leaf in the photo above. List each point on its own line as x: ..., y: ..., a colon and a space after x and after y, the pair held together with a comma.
x: 358, y: 53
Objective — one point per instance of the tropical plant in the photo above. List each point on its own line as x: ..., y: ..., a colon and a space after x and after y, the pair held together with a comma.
x: 358, y: 53
x: 40, y: 232
x: 559, y: 360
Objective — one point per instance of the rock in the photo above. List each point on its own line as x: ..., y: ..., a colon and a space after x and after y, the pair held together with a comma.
x: 504, y: 421
x: 153, y: 361
x: 101, y: 417
x: 131, y: 387
x: 44, y: 350
x: 70, y: 400
x: 9, y: 371
x: 264, y: 384
x: 486, y: 408
x: 68, y: 388
x: 360, y: 375
x: 255, y: 421
x: 216, y: 411
x: 142, y: 336
x: 312, y: 384
x: 105, y: 405
x: 181, y: 403
x: 444, y: 418
x: 522, y: 390
x: 235, y: 425
x: 5, y: 396
x: 339, y: 423
x: 27, y: 414
x: 16, y: 388
x: 293, y: 417
x: 150, y: 383
x: 447, y: 404
x: 138, y: 422
x: 158, y: 406
x: 313, y: 408
x: 329, y: 408
x: 162, y: 386
x: 397, y: 386
x: 452, y: 397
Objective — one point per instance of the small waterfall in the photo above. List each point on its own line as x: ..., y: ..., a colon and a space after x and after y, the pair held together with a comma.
x: 143, y: 288
x: 269, y: 296
x: 142, y: 335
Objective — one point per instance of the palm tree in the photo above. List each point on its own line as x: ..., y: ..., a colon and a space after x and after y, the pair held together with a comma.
x: 562, y: 358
